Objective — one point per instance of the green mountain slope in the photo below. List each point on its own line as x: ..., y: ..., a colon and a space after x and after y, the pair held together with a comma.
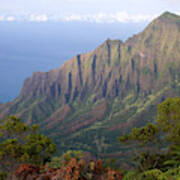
x: 95, y: 97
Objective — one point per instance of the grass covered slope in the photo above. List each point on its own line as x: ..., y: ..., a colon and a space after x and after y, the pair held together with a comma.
x: 95, y: 97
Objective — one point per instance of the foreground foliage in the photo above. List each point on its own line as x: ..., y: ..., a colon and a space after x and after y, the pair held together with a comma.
x: 20, y: 143
x: 158, y: 156
x: 70, y: 170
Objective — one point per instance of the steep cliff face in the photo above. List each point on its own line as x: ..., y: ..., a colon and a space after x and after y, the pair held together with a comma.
x: 95, y: 97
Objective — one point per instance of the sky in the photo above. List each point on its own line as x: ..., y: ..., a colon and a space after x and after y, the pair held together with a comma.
x: 86, y: 10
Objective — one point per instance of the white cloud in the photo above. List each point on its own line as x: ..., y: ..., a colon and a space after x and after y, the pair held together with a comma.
x: 7, y: 18
x: 10, y: 18
x: 38, y: 18
x: 119, y: 17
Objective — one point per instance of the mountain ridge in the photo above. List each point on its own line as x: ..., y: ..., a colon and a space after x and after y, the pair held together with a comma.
x: 94, y: 97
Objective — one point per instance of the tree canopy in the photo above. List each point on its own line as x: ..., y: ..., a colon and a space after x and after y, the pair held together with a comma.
x: 20, y: 143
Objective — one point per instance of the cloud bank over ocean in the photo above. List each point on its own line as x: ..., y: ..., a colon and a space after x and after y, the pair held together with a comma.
x: 118, y: 17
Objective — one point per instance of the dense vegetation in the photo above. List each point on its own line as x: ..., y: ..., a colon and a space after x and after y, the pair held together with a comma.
x: 27, y: 154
